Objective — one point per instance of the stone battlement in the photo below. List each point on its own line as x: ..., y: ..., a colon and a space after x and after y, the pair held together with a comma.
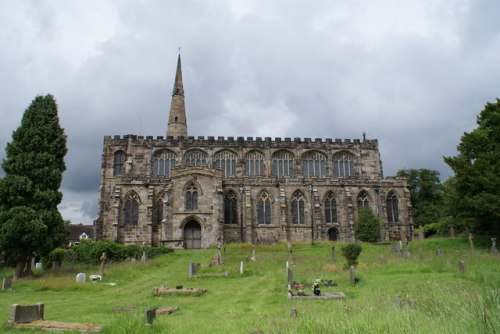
x: 242, y: 141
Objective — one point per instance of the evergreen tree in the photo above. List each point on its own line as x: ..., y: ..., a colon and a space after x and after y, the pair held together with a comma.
x: 29, y: 193
x: 477, y: 172
x: 368, y: 226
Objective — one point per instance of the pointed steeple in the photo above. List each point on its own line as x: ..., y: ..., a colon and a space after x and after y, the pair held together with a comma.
x: 177, y: 123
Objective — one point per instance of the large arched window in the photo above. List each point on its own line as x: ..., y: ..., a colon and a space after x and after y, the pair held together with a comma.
x: 195, y: 158
x: 191, y: 197
x: 392, y: 208
x: 264, y: 209
x: 159, y: 209
x: 254, y: 163
x: 343, y: 164
x: 298, y: 215
x: 163, y: 162
x: 226, y: 160
x: 313, y: 164
x: 131, y: 209
x: 230, y: 213
x: 330, y: 209
x: 119, y: 163
x: 363, y: 201
x: 283, y: 164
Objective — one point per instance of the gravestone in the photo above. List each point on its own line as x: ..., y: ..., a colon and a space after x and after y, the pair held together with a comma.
x: 352, y: 274
x: 103, y: 261
x: 439, y: 251
x: 333, y: 252
x: 406, y: 254
x: 253, y: 253
x: 81, y: 278
x: 293, y: 313
x: 421, y: 233
x: 290, y: 275
x: 461, y: 266
x: 144, y: 255
x: 494, y: 246
x: 193, y: 269
x: 290, y: 252
x: 7, y: 283
x: 27, y: 313
x: 150, y: 315
x: 38, y: 265
x: 452, y: 232
x: 241, y: 267
x: 382, y: 259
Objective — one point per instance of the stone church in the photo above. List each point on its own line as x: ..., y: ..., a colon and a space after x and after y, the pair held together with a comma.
x: 193, y: 192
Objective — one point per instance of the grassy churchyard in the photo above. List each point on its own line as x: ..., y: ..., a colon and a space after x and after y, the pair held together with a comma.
x: 434, y: 296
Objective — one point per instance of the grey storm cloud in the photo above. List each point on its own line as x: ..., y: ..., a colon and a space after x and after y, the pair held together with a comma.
x: 414, y: 75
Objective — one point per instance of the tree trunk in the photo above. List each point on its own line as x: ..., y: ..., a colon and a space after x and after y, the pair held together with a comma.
x: 20, y: 270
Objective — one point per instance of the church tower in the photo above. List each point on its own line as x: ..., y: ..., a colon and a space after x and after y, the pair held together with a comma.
x: 177, y: 124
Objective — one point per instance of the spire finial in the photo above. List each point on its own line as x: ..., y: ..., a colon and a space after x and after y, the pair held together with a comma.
x: 179, y: 50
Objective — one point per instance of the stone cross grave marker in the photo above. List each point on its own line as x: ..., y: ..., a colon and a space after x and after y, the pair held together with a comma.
x: 7, y: 283
x: 103, y: 261
x: 461, y: 266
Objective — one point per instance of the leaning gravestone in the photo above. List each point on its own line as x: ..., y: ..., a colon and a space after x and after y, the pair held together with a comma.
x: 81, y: 278
x: 7, y: 283
x: 150, y: 315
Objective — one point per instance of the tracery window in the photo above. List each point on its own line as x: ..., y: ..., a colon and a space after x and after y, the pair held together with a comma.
x: 392, y: 208
x: 343, y: 164
x: 298, y: 214
x: 226, y: 160
x: 191, y: 197
x: 254, y: 163
x: 283, y: 164
x: 230, y: 212
x: 163, y: 162
x: 363, y: 201
x: 119, y: 163
x: 264, y: 209
x: 330, y: 209
x: 313, y: 164
x: 196, y: 158
x: 131, y: 209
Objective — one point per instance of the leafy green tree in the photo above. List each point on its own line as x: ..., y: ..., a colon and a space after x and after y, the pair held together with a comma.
x: 29, y: 193
x: 477, y: 172
x: 351, y: 253
x: 426, y: 193
x: 368, y: 226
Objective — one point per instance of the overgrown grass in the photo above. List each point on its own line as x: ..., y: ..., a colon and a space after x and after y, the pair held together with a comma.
x: 437, y: 297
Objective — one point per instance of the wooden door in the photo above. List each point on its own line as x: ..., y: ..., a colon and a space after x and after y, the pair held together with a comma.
x: 192, y: 235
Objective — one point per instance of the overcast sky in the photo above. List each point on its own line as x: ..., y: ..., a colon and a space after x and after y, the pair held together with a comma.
x: 412, y: 74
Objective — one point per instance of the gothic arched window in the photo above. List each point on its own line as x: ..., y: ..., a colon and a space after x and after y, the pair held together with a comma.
x: 298, y: 215
x: 264, y: 209
x: 392, y: 208
x: 230, y: 212
x: 191, y: 197
x: 226, y: 160
x: 119, y: 163
x: 163, y: 162
x: 131, y: 209
x: 343, y: 164
x: 254, y: 163
x: 330, y: 209
x: 283, y: 164
x: 196, y: 158
x: 363, y: 201
x: 313, y: 164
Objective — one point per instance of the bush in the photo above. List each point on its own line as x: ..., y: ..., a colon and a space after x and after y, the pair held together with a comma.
x: 351, y: 253
x: 57, y: 255
x: 368, y: 227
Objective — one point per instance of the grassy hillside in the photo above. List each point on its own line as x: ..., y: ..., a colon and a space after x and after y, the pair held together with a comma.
x: 443, y: 299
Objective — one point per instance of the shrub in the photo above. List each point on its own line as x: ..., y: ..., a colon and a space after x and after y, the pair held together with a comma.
x: 351, y: 253
x: 57, y: 255
x: 368, y: 227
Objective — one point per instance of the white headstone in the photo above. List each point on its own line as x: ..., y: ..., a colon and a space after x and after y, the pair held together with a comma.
x: 241, y: 268
x: 38, y: 265
x: 81, y: 278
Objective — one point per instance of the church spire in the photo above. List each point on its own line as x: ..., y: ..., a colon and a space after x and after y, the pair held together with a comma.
x: 177, y: 123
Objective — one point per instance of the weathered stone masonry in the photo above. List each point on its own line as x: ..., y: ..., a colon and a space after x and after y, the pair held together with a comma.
x: 207, y: 189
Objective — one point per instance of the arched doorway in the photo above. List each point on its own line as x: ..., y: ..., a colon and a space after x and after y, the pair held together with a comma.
x: 333, y: 234
x: 192, y: 235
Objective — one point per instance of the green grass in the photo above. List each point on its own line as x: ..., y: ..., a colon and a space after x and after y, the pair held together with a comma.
x: 445, y: 300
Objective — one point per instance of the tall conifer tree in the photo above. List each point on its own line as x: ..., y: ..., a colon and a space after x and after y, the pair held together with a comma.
x: 29, y: 193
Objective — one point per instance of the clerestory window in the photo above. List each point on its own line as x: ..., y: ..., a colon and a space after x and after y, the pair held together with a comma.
x: 226, y: 160
x: 163, y: 162
x: 196, y: 158
x: 254, y: 164
x: 343, y: 164
x: 313, y: 164
x: 283, y: 164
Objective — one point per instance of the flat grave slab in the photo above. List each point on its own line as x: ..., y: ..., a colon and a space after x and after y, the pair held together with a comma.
x: 182, y: 291
x: 322, y: 296
x: 58, y: 326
